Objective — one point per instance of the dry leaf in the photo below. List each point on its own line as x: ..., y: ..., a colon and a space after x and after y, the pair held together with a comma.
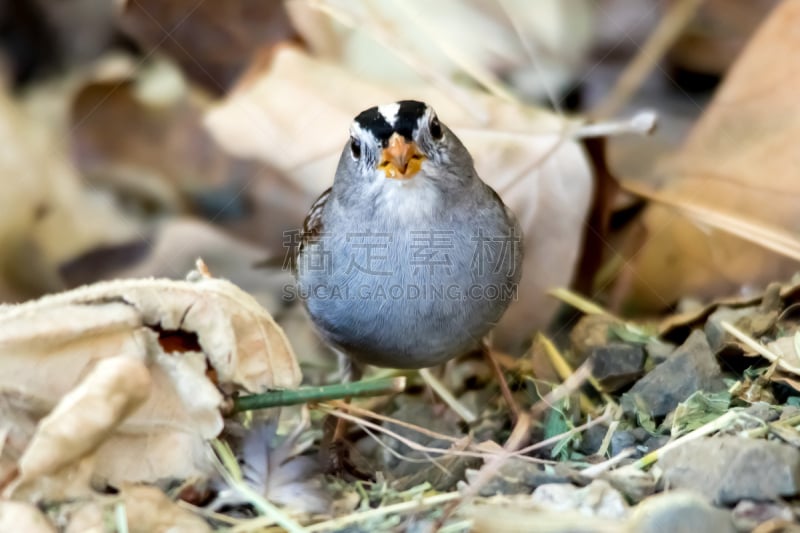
x: 137, y: 130
x: 85, y: 416
x: 195, y: 338
x: 295, y: 114
x: 536, y: 48
x: 18, y: 516
x: 173, y: 248
x: 717, y: 35
x: 146, y: 509
x: 740, y: 160
x: 212, y: 41
x: 46, y: 216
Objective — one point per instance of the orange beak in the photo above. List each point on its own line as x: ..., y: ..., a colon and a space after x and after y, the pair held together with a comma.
x: 400, y: 160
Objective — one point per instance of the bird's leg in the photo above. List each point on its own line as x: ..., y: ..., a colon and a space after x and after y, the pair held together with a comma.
x: 349, y: 372
x: 333, y: 449
x: 501, y: 380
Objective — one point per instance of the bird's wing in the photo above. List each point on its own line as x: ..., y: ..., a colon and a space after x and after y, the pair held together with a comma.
x: 312, y: 225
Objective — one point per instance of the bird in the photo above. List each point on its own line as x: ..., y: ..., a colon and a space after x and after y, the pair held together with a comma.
x: 409, y: 259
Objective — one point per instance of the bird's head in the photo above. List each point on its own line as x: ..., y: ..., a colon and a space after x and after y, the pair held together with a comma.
x: 399, y: 143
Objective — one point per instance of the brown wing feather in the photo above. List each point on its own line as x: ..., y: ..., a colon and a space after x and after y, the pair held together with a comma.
x: 312, y: 225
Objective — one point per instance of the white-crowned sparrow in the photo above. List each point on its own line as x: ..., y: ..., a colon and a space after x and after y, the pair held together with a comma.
x: 409, y: 259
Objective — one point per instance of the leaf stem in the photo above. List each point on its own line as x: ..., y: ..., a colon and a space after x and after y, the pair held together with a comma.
x: 278, y: 398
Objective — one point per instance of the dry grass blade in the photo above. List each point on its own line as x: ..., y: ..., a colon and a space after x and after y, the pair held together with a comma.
x: 721, y: 422
x: 420, y: 448
x: 518, y: 437
x: 766, y: 236
x: 447, y: 397
x: 565, y: 371
x: 579, y: 302
x: 228, y: 467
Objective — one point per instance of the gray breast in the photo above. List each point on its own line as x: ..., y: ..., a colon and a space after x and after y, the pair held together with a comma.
x: 410, y: 297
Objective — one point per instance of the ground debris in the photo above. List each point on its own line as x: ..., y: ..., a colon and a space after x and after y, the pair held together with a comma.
x: 728, y: 469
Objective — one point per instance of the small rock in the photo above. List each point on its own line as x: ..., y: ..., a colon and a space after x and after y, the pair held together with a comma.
x: 635, y: 484
x: 596, y: 499
x: 590, y: 331
x: 691, y: 368
x: 789, y: 411
x: 763, y: 411
x: 729, y: 469
x: 751, y: 320
x: 622, y: 439
x: 658, y: 351
x: 747, y: 514
x: 679, y: 512
x: 514, y: 517
x: 411, y: 473
x: 617, y: 364
x: 517, y: 476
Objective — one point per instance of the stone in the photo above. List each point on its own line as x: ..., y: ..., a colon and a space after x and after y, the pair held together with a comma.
x: 747, y: 514
x: 658, y: 351
x: 590, y: 332
x: 517, y: 476
x: 751, y: 320
x: 617, y: 364
x: 728, y: 469
x: 692, y: 367
x: 679, y: 512
x: 598, y: 498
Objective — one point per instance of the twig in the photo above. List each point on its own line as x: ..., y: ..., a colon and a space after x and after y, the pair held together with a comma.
x: 371, y: 414
x: 518, y: 436
x: 502, y: 382
x: 418, y: 447
x: 375, y: 387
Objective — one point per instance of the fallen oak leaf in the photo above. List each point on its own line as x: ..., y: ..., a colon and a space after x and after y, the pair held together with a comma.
x: 64, y: 335
x: 739, y: 168
x: 85, y: 417
x: 145, y: 508
x: 20, y: 516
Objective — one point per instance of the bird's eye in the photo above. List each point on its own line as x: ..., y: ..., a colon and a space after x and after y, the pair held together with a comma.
x: 355, y: 147
x: 436, y: 129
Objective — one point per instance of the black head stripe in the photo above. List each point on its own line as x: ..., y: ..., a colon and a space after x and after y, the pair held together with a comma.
x: 372, y: 121
x: 408, y: 116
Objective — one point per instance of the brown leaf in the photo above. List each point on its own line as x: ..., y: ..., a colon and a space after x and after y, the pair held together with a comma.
x: 85, y: 417
x: 212, y: 41
x: 18, y: 516
x: 138, y: 131
x: 288, y: 116
x: 534, y: 48
x: 53, y: 354
x: 740, y: 160
x: 147, y: 509
x: 46, y: 216
x: 173, y: 248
